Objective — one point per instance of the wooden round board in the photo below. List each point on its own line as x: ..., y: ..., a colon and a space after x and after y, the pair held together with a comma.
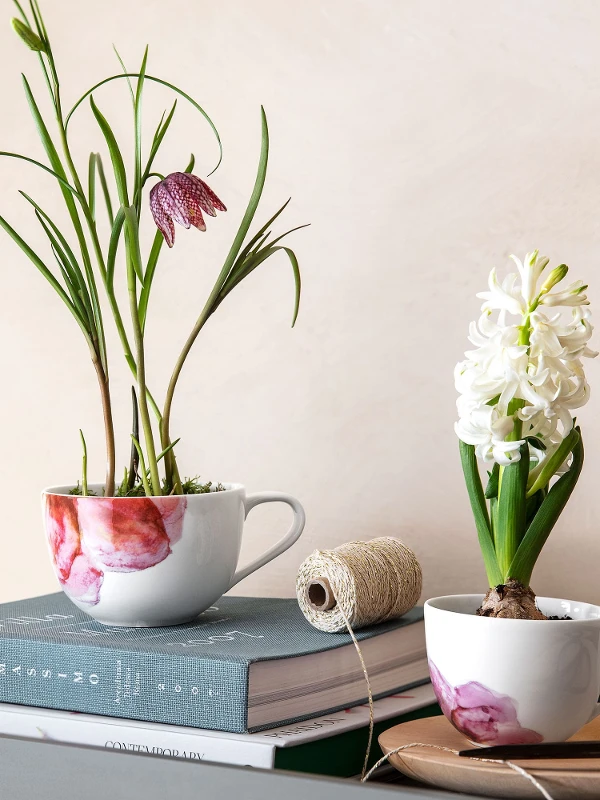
x: 564, y: 779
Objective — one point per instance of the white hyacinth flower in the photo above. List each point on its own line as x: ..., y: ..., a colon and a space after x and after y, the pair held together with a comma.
x: 525, y: 376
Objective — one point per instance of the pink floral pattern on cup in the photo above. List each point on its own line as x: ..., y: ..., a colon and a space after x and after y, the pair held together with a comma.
x: 89, y: 536
x: 482, y: 715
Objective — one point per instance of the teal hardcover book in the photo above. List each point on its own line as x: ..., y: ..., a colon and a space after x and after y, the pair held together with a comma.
x: 245, y: 664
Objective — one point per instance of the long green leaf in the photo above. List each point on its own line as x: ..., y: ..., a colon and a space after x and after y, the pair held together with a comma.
x: 161, y: 131
x: 60, y: 174
x: 132, y: 230
x: 37, y: 261
x: 115, y: 153
x: 105, y: 189
x: 92, y: 185
x: 62, y: 181
x: 253, y: 241
x: 253, y: 202
x: 480, y: 513
x: 170, y: 86
x: 149, y: 277
x: 75, y: 269
x: 297, y: 280
x: 70, y: 277
x: 113, y: 246
x: 551, y: 464
x: 253, y: 262
x: 124, y: 68
x: 512, y: 510
x: 71, y: 288
x: 544, y: 521
x: 137, y: 111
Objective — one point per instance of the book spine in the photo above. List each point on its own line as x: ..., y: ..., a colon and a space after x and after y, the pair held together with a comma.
x: 153, y: 687
x: 188, y: 746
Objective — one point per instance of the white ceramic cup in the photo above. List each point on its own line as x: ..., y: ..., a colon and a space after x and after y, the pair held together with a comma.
x: 513, y: 681
x: 150, y: 561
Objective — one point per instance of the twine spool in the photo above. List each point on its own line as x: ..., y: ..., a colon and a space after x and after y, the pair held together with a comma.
x: 359, y: 583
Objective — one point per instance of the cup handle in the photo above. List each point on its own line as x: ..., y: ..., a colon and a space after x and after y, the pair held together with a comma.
x: 595, y: 712
x: 283, y: 544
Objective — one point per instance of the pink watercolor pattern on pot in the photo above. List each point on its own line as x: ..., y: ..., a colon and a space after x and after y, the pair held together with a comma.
x: 89, y: 536
x: 483, y: 716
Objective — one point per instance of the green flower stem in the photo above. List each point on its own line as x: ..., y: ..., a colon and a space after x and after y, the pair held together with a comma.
x: 103, y: 377
x: 510, y: 514
x: 109, y: 430
x: 165, y: 435
x: 214, y: 296
x: 133, y: 257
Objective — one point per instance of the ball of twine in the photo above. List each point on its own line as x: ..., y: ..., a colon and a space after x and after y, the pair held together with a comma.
x: 361, y: 582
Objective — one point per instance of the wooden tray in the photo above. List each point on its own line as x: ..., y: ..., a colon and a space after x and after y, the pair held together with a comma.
x: 564, y: 779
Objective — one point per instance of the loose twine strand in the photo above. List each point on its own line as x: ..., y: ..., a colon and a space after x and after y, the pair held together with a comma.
x: 371, y: 582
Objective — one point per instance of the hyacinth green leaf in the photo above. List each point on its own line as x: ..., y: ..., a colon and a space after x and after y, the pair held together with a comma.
x: 491, y: 490
x: 115, y: 153
x: 170, y: 86
x: 480, y: 512
x: 92, y: 185
x: 549, y: 467
x: 544, y: 521
x: 535, y: 442
x: 512, y: 509
x: 113, y: 246
x: 153, y: 261
x: 533, y: 505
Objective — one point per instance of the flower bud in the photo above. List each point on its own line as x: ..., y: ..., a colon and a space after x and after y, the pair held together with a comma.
x: 556, y: 276
x: 31, y: 39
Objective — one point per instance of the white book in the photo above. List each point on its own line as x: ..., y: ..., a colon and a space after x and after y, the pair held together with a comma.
x: 174, y: 741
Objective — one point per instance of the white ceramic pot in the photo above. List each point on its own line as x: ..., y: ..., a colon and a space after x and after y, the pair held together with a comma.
x: 513, y: 681
x: 149, y: 561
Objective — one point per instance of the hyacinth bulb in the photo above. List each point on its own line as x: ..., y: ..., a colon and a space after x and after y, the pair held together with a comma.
x: 182, y: 198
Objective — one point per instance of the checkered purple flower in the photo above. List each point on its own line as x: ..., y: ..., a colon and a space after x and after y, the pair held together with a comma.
x: 182, y: 198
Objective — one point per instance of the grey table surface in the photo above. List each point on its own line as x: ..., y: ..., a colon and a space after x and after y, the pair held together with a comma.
x: 35, y: 769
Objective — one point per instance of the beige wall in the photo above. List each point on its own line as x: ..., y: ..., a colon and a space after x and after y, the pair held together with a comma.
x: 425, y: 141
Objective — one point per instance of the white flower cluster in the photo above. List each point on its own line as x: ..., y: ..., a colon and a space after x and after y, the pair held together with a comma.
x: 526, y: 367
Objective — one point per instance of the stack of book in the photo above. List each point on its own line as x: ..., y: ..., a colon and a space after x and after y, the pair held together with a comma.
x: 250, y: 682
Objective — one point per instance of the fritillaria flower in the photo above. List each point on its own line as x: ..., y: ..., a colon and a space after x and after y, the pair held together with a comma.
x: 182, y: 198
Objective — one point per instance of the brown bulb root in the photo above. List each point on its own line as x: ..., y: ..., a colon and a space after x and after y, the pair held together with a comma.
x: 510, y: 600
